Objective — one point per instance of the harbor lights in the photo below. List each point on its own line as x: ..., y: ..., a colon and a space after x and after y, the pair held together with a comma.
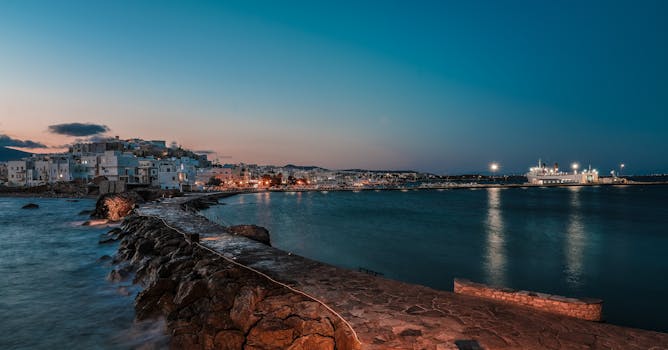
x: 621, y: 167
x: 575, y: 167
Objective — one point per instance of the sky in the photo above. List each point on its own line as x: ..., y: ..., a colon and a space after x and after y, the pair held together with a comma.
x: 440, y: 86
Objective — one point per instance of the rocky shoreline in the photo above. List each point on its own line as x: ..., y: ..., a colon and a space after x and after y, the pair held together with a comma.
x: 209, y: 302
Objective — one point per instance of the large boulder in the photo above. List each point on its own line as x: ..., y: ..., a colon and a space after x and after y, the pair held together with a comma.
x: 116, y: 206
x: 30, y: 206
x: 254, y: 232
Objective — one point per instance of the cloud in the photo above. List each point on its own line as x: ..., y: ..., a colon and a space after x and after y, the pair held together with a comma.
x: 78, y: 129
x: 6, y: 141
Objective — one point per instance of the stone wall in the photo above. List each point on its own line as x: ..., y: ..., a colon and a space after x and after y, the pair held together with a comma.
x: 211, y: 303
x: 586, y: 309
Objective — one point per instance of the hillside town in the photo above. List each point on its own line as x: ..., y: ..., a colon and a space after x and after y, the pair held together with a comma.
x: 154, y: 164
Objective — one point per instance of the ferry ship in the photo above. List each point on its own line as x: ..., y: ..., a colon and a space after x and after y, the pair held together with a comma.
x: 543, y: 175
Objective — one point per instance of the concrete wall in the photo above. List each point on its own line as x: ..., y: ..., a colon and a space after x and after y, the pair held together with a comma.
x: 586, y: 309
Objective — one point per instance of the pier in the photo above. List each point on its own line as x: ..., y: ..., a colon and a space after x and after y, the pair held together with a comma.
x: 378, y: 313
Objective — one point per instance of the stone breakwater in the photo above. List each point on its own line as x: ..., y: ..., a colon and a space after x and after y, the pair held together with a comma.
x: 586, y: 309
x: 364, y: 311
x: 211, y: 303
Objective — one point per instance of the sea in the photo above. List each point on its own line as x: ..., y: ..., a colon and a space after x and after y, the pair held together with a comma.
x: 53, y: 288
x: 597, y: 241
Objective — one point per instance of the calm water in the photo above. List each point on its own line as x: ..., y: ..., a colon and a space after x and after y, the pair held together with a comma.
x: 53, y: 292
x: 603, y: 242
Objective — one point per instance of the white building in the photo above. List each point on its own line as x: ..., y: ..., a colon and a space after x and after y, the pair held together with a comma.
x: 175, y: 174
x: 117, y: 166
x: 147, y: 172
x: 19, y: 171
x: 167, y: 175
x: 90, y: 165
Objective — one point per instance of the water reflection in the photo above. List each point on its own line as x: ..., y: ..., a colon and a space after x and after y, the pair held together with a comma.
x: 495, y: 263
x: 575, y: 240
x: 263, y: 214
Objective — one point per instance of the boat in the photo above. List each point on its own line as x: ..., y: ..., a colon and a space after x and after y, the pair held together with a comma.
x: 544, y: 175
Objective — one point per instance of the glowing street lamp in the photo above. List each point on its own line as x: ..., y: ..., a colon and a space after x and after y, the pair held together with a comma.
x: 494, y: 167
x: 621, y: 167
x: 575, y: 167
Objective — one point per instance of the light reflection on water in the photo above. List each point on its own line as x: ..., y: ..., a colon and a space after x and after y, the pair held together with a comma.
x: 574, y: 244
x: 495, y: 252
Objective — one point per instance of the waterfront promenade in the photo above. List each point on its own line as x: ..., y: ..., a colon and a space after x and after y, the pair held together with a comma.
x: 386, y: 314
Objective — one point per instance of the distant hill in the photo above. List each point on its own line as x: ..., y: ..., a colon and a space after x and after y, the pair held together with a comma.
x: 7, y: 154
x: 304, y: 167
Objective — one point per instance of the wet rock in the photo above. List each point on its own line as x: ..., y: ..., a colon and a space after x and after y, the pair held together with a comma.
x: 116, y: 206
x: 145, y: 248
x: 103, y: 258
x: 254, y: 232
x: 190, y: 291
x: 115, y: 231
x: 118, y: 275
x: 151, y: 301
x: 107, y: 240
x: 30, y: 206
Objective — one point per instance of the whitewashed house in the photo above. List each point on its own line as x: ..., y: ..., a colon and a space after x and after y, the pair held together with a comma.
x: 117, y: 166
x: 19, y: 171
x: 175, y: 174
x: 167, y: 174
x: 147, y: 172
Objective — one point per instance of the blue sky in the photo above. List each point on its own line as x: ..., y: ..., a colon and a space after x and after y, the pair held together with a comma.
x: 443, y: 86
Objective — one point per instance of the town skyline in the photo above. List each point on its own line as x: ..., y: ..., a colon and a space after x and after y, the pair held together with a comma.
x: 443, y: 87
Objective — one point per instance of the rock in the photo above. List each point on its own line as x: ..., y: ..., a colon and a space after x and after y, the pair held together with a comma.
x: 210, y: 303
x: 30, y: 206
x: 271, y: 334
x: 242, y: 312
x: 229, y: 340
x: 115, y: 231
x: 313, y: 342
x: 254, y: 232
x: 190, y: 291
x: 107, y: 240
x: 104, y: 258
x: 115, y: 206
x: 119, y: 275
x: 145, y: 248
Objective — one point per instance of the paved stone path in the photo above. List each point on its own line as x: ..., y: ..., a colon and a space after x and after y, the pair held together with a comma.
x: 388, y: 314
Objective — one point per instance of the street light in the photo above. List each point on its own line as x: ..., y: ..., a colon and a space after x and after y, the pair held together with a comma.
x: 621, y: 167
x: 575, y: 167
x: 493, y: 167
